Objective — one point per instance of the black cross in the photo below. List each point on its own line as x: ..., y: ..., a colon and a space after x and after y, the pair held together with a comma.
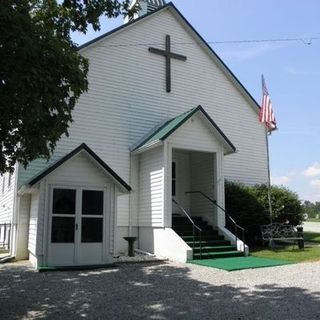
x: 168, y: 55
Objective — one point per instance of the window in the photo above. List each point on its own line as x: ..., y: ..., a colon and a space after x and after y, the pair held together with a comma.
x: 92, y: 202
x: 62, y: 230
x: 64, y: 201
x: 174, y: 178
x: 63, y: 216
x: 92, y: 216
x: 91, y: 230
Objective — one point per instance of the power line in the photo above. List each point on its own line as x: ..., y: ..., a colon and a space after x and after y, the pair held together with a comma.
x: 306, y: 41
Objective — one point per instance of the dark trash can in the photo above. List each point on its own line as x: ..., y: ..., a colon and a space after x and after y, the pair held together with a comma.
x: 300, y: 234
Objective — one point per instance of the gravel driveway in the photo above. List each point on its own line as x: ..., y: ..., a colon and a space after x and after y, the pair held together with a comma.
x: 161, y: 291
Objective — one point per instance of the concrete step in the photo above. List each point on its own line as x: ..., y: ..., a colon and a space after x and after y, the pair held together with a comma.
x: 215, y: 255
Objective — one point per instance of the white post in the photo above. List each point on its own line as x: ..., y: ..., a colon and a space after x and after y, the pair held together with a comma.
x: 269, y: 185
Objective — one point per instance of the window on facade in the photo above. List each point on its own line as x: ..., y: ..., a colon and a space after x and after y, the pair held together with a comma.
x: 174, y: 177
x: 91, y: 230
x: 63, y: 216
x: 92, y: 202
x: 62, y: 230
x: 92, y: 216
x: 64, y: 201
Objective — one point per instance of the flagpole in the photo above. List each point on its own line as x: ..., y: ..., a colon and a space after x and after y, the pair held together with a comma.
x: 266, y: 116
x: 269, y: 177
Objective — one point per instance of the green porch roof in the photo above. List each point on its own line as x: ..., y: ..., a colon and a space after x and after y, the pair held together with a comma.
x: 96, y: 158
x: 170, y: 126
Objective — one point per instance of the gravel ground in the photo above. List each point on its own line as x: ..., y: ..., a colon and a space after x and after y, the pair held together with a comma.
x: 162, y: 290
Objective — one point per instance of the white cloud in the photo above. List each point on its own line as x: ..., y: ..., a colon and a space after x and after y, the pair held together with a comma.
x: 312, y: 171
x: 249, y: 52
x: 313, y: 197
x: 315, y: 183
x: 280, y: 180
x: 296, y: 72
x: 283, y: 179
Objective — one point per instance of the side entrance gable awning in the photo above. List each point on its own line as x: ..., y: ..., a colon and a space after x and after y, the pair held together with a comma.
x: 159, y: 134
x: 81, y: 148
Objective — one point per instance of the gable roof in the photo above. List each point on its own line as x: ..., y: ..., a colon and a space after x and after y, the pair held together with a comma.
x: 93, y: 155
x: 169, y: 127
x: 211, y: 52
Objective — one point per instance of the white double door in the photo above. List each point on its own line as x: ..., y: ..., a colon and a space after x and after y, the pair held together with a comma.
x: 77, y: 226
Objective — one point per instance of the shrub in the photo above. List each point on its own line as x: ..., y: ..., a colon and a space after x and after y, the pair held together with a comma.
x: 248, y: 205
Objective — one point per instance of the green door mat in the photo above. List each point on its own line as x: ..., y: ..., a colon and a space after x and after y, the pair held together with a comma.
x: 239, y: 263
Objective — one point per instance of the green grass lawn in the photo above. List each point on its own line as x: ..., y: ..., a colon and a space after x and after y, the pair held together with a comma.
x: 311, y: 236
x: 289, y: 254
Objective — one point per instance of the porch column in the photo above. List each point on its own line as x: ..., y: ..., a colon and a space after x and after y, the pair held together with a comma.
x: 167, y: 203
x: 220, y: 186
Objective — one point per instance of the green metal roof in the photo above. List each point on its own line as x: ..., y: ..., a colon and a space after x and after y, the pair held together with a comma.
x: 164, y: 131
x: 67, y: 157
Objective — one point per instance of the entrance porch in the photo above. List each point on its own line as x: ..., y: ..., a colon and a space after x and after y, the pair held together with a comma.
x: 185, y: 154
x: 193, y: 171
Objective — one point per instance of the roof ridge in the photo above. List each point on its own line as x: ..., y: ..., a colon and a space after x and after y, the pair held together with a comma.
x: 108, y: 33
x: 197, y: 34
x: 83, y: 146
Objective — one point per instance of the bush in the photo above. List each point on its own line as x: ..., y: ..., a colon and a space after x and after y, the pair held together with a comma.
x: 249, y: 207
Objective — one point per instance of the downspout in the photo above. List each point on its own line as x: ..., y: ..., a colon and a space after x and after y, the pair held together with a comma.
x: 16, y: 206
x: 130, y: 201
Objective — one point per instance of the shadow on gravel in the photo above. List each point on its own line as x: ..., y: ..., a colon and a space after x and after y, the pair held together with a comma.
x: 157, y: 291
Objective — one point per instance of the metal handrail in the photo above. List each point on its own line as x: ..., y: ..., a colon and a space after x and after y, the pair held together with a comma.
x: 236, y: 226
x: 194, y: 226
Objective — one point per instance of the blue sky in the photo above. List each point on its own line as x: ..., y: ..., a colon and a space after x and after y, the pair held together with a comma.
x: 291, y: 69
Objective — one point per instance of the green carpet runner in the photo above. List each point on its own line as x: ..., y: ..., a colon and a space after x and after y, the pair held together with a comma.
x: 213, y: 245
x: 239, y: 263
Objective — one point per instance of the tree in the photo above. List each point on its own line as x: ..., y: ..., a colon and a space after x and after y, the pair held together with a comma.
x: 312, y: 209
x: 286, y: 206
x: 42, y: 74
x: 249, y: 206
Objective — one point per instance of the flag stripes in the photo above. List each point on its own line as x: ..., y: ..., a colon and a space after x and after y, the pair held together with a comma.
x: 266, y: 115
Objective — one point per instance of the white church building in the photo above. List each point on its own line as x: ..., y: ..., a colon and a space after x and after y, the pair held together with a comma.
x: 163, y: 125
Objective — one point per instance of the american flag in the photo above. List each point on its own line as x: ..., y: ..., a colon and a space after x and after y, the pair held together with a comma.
x: 266, y: 115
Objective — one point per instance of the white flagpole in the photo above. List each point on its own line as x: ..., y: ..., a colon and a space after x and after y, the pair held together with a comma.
x: 270, y: 125
x: 269, y: 178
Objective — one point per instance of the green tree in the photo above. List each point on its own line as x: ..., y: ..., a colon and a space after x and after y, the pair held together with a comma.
x: 42, y: 74
x: 286, y: 206
x: 312, y: 209
x: 249, y: 206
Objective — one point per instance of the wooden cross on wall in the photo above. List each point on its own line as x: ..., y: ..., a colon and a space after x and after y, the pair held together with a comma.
x: 168, y: 55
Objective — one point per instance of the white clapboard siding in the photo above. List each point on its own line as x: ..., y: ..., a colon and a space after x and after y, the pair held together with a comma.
x: 151, y: 188
x: 127, y: 98
x: 80, y: 171
x: 194, y: 135
x: 33, y: 223
x: 7, y: 198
